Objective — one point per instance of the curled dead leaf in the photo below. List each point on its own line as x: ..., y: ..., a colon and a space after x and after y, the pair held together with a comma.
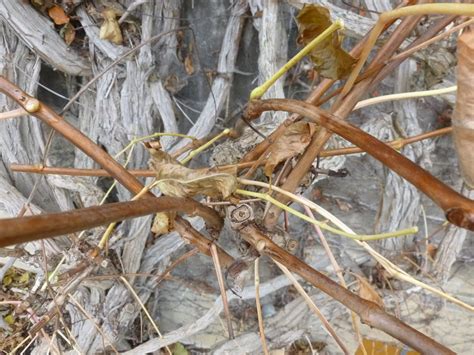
x: 366, y: 291
x: 68, y: 32
x: 293, y: 142
x: 188, y: 64
x: 343, y: 205
x: 163, y: 223
x: 58, y: 15
x: 431, y: 250
x: 329, y: 59
x: 110, y: 29
x: 179, y: 181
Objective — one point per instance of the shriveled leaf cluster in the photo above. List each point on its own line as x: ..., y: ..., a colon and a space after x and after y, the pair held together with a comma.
x: 177, y: 180
x: 110, y: 29
x: 367, y: 292
x: 330, y: 60
x: 293, y: 142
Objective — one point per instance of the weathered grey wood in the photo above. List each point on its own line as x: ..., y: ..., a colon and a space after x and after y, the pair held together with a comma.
x: 107, y: 48
x: 400, y: 206
x: 118, y: 307
x: 22, y: 139
x: 169, y: 13
x: 379, y: 6
x: 123, y: 112
x: 273, y: 53
x: 225, y: 69
x: 38, y: 33
x: 209, y: 317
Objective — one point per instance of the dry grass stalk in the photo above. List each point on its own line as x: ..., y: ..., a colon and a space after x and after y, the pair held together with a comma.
x: 220, y: 279
x: 314, y: 308
x: 261, y: 328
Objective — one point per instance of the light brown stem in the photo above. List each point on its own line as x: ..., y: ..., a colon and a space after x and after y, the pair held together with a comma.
x: 459, y: 210
x: 12, y: 114
x: 26, y: 229
x: 50, y: 170
x: 369, y: 312
x: 57, y: 122
x: 343, y: 107
x: 220, y: 281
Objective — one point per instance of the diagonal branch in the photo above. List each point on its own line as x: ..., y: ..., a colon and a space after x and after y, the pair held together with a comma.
x: 369, y: 312
x: 342, y: 108
x: 459, y: 210
x: 57, y: 122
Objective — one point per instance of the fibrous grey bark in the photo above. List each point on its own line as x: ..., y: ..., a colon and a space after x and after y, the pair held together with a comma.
x: 450, y: 246
x: 22, y: 140
x: 273, y: 52
x: 400, y: 206
x: 38, y: 34
x: 225, y: 70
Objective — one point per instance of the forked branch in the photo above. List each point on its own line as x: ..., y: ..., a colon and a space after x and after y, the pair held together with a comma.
x: 84, y: 143
x: 459, y: 210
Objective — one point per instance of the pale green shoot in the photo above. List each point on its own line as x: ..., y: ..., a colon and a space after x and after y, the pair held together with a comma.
x: 196, y: 151
x: 259, y: 91
x: 322, y: 225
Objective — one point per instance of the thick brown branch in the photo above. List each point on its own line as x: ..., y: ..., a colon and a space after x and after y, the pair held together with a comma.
x: 343, y: 108
x: 203, y: 244
x: 459, y: 210
x: 27, y: 229
x: 313, y: 98
x: 369, y: 312
x: 57, y: 122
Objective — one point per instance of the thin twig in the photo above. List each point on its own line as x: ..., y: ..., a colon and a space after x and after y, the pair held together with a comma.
x: 50, y: 170
x: 404, y: 96
x: 175, y: 263
x: 93, y: 321
x: 426, y: 43
x: 259, y: 308
x: 415, y: 10
x: 313, y: 307
x: 337, y: 270
x: 137, y: 298
x: 13, y: 113
x: 220, y: 280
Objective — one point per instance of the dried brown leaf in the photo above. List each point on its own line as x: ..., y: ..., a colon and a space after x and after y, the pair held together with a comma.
x: 58, y: 15
x: 188, y: 64
x: 366, y: 291
x: 343, y: 205
x: 431, y: 250
x: 179, y: 181
x: 312, y: 20
x: 329, y: 59
x: 68, y: 32
x: 293, y: 142
x: 110, y: 29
